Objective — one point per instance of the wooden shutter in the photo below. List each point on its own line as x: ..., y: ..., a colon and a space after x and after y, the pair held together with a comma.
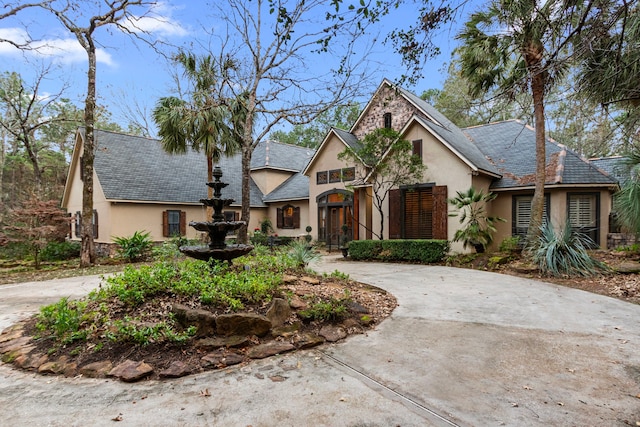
x: 236, y: 216
x: 395, y: 214
x: 296, y: 217
x: 183, y: 223
x: 440, y: 217
x: 280, y: 219
x: 165, y: 223
x: 418, y: 214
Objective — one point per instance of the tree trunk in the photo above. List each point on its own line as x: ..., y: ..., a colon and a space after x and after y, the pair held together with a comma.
x: 538, y: 80
x: 33, y: 158
x: 88, y: 251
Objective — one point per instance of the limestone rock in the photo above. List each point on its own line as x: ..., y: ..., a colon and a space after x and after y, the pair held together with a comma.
x: 243, y: 324
x: 203, y: 320
x: 286, y: 331
x: 177, y: 369
x: 96, y: 369
x: 310, y: 280
x: 307, y: 340
x: 278, y: 312
x: 269, y: 349
x: 288, y: 279
x: 221, y: 359
x: 297, y: 303
x: 31, y: 361
x: 219, y: 342
x: 131, y: 371
x: 332, y: 333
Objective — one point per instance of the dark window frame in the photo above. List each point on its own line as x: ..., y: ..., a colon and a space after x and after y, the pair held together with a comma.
x: 594, y: 232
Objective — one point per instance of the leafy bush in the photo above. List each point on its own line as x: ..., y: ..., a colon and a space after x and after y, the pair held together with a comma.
x: 60, y: 251
x: 510, y: 244
x: 333, y: 309
x: 134, y: 248
x: 425, y: 251
x: 62, y: 320
x: 564, y: 252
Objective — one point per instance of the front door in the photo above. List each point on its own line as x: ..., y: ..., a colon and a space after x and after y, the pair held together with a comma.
x: 335, y: 225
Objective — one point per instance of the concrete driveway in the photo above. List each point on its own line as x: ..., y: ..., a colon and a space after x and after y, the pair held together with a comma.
x: 464, y: 347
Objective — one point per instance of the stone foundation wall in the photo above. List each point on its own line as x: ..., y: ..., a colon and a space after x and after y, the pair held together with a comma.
x: 616, y: 240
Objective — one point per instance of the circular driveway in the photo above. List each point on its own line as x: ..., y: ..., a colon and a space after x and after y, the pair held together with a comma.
x: 463, y: 347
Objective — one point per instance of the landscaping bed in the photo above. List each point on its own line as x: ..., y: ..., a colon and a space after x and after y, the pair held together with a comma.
x: 170, y: 333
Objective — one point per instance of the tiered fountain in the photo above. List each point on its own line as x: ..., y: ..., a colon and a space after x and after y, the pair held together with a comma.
x: 217, y: 229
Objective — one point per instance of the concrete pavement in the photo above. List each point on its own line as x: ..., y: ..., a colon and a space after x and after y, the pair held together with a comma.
x: 464, y: 347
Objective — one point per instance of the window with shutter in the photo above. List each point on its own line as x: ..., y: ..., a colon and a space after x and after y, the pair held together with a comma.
x: 418, y: 213
x: 78, y: 224
x: 583, y: 212
x: 289, y: 217
x: 522, y: 214
x: 172, y: 223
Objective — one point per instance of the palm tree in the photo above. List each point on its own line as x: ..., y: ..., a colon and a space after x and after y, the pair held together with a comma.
x: 207, y: 122
x: 518, y: 46
x: 477, y: 227
x: 626, y: 202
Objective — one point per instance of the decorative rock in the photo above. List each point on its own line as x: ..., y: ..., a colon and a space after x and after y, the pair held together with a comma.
x: 218, y: 342
x: 278, y: 312
x: 350, y: 323
x: 357, y: 308
x: 286, y: 331
x: 10, y: 334
x: 177, y: 369
x: 242, y: 324
x: 19, y: 343
x: 288, y: 279
x: 297, y: 303
x: 203, y: 320
x: 96, y: 369
x: 308, y: 340
x: 333, y: 333
x: 131, y: 371
x: 269, y: 349
x: 310, y: 280
x: 31, y: 361
x: 220, y: 359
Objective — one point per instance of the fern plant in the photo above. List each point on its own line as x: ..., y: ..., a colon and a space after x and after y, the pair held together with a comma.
x: 134, y: 248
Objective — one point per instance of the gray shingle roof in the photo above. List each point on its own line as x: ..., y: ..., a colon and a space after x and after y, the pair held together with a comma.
x: 452, y: 134
x: 294, y: 188
x: 138, y: 169
x: 276, y: 155
x: 511, y: 147
x: 615, y: 166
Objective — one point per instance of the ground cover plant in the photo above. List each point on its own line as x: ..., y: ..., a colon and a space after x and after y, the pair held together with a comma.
x: 132, y: 315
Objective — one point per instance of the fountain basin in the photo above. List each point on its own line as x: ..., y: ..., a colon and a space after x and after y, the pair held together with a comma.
x: 205, y: 253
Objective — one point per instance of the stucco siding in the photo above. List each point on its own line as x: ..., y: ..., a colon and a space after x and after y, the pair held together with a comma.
x: 268, y: 179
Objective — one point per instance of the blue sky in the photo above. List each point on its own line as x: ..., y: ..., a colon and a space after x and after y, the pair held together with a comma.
x: 133, y: 76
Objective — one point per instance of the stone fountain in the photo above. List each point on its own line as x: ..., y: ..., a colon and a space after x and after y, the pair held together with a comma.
x: 217, y: 229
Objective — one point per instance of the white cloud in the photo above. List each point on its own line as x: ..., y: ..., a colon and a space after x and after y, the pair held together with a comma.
x: 157, y: 21
x: 64, y: 51
x: 16, y: 35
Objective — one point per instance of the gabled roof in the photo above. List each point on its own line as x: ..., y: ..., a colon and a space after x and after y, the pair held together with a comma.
x: 277, y: 155
x: 450, y: 134
x: 511, y: 147
x: 348, y: 139
x: 132, y: 168
x: 435, y: 122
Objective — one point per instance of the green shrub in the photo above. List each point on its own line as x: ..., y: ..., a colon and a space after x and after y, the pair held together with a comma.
x: 134, y: 248
x: 63, y: 320
x: 60, y: 251
x: 510, y: 244
x: 564, y: 252
x: 425, y: 251
x: 332, y: 310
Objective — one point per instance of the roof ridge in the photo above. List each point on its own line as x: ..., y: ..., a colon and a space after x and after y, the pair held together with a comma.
x: 491, y: 124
